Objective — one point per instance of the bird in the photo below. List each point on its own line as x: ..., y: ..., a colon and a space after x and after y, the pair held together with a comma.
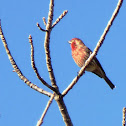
x: 80, y: 53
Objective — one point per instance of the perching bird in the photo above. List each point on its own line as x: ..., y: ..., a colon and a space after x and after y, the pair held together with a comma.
x: 80, y: 53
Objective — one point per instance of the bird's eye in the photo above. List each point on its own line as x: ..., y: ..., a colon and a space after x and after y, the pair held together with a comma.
x: 74, y: 43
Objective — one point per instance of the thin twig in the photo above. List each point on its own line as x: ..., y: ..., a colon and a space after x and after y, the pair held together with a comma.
x: 38, y: 25
x: 44, y: 21
x: 100, y: 42
x: 34, y: 66
x: 39, y: 123
x: 46, y: 45
x: 17, y: 70
x: 124, y: 117
x: 60, y: 17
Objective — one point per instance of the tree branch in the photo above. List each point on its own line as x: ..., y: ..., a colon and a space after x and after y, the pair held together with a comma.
x: 46, y: 45
x: 60, y: 17
x: 17, y: 70
x: 58, y: 97
x: 124, y: 117
x: 100, y: 42
x: 34, y: 66
x: 63, y: 110
x: 38, y: 25
x: 44, y: 21
x: 39, y: 123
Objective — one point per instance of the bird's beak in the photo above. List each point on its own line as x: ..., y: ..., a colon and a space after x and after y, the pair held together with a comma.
x: 69, y: 42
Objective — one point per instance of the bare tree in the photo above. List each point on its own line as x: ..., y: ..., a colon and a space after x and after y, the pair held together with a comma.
x: 56, y: 95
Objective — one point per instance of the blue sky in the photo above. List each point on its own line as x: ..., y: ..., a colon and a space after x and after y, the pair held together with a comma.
x: 91, y: 101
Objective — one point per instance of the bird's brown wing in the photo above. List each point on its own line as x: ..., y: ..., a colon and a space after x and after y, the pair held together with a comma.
x: 94, y: 66
x: 99, y: 70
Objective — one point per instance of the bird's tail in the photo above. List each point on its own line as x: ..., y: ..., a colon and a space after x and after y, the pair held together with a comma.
x: 109, y: 82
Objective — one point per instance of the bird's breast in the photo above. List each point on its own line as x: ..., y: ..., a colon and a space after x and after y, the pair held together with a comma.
x: 80, y: 57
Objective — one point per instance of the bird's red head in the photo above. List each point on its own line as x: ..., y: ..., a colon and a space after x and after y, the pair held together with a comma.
x: 76, y: 43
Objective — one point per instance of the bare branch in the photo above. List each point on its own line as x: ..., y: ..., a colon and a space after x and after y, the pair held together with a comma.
x: 34, y: 66
x: 124, y: 117
x: 44, y: 21
x: 38, y: 25
x: 17, y: 70
x: 60, y: 17
x: 100, y: 42
x: 46, y: 45
x: 39, y: 123
x: 58, y: 97
x: 63, y: 110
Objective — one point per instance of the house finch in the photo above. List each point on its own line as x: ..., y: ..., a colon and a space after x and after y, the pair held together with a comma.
x: 80, y: 53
